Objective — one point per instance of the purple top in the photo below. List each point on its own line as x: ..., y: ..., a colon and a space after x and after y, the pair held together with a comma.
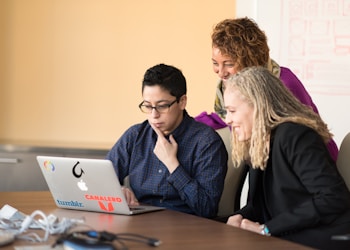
x: 297, y: 88
x: 292, y: 82
x: 212, y: 120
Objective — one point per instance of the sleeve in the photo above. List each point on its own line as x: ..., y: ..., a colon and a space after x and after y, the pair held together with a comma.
x: 292, y: 82
x: 202, y: 191
x: 120, y: 153
x: 318, y: 187
x: 249, y: 211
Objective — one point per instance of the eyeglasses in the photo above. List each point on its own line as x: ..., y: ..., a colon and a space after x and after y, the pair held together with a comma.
x: 159, y: 108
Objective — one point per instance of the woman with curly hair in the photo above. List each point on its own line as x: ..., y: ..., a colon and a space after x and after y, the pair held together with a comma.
x: 240, y: 43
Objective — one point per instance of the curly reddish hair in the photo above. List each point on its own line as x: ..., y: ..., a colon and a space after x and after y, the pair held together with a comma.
x: 243, y: 41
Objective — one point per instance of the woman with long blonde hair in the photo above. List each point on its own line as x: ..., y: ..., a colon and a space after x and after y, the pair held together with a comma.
x: 295, y: 190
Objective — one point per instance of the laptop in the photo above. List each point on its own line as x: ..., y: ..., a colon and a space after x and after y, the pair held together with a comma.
x: 87, y: 184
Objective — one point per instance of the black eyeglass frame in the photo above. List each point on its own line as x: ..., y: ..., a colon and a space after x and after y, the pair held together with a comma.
x: 150, y: 108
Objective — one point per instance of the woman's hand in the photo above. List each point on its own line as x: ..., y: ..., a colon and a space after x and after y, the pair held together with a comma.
x: 235, y: 220
x: 238, y: 221
x: 130, y: 196
x: 251, y: 226
x: 165, y: 150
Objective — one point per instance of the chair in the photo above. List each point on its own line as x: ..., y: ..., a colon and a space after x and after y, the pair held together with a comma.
x: 343, y: 161
x: 230, y: 198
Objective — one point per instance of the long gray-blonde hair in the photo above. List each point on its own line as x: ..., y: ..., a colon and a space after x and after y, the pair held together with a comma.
x: 273, y: 104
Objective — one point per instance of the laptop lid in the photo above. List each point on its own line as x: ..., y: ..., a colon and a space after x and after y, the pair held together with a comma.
x: 86, y: 184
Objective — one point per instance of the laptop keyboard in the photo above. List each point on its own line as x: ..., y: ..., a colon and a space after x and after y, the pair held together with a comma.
x: 136, y: 208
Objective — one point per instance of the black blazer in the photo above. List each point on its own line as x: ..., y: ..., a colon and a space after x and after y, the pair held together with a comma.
x: 301, y: 187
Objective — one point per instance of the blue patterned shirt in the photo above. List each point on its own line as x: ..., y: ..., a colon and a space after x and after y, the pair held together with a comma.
x: 195, y: 187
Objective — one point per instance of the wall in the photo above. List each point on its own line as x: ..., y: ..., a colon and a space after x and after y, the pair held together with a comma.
x: 71, y: 70
x: 3, y: 18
